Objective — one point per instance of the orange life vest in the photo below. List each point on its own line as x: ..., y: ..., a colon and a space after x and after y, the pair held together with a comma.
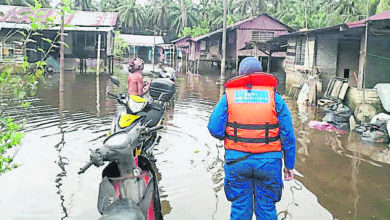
x: 252, y: 120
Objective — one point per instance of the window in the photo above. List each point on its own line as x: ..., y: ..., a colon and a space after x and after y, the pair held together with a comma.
x: 7, y: 50
x: 259, y: 36
x: 300, y: 52
x: 203, y: 45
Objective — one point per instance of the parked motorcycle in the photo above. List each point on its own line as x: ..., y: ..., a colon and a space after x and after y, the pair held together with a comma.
x: 129, y: 188
x: 169, y: 73
x: 138, y: 111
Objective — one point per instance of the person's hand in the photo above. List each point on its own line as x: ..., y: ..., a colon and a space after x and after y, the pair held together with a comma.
x: 146, y: 86
x: 288, y: 174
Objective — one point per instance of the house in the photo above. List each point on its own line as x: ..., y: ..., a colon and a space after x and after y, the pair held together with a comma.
x: 258, y: 29
x: 340, y: 51
x: 182, y: 46
x: 82, y: 28
x: 143, y: 46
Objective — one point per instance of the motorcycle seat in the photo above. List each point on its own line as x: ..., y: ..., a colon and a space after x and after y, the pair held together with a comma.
x: 154, y: 115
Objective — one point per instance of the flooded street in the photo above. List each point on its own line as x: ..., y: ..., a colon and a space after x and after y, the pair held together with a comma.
x: 338, y: 177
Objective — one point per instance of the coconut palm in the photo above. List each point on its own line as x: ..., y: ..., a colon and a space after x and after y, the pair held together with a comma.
x: 159, y: 13
x: 383, y: 5
x: 183, y: 14
x: 44, y: 3
x: 84, y: 5
x: 251, y: 7
x: 109, y: 5
x: 131, y: 16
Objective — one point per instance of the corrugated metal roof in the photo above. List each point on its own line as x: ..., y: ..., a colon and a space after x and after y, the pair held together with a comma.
x: 334, y: 28
x: 142, y: 40
x: 385, y: 15
x: 18, y: 14
x: 76, y: 28
x: 236, y: 25
x: 180, y: 39
x: 230, y: 27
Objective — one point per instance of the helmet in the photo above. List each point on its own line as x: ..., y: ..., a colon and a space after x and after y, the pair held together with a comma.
x: 135, y: 64
x: 249, y: 65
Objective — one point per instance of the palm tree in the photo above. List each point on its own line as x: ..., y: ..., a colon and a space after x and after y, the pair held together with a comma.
x: 251, y: 7
x: 349, y: 10
x: 159, y: 13
x: 382, y: 5
x: 131, y: 15
x: 109, y: 5
x: 184, y: 14
x: 216, y: 14
x: 44, y: 3
x: 84, y: 5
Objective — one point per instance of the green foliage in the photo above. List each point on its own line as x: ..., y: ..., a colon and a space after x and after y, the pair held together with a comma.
x: 183, y: 16
x: 131, y: 15
x: 14, y: 87
x: 43, y: 3
x: 84, y: 5
x: 198, y: 30
x: 382, y: 6
x: 10, y: 136
x: 120, y: 46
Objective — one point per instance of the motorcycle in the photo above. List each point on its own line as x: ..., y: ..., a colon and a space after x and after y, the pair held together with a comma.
x: 128, y: 189
x: 164, y: 73
x: 138, y: 111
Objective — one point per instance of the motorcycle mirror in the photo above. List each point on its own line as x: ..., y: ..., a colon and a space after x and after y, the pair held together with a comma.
x: 115, y: 80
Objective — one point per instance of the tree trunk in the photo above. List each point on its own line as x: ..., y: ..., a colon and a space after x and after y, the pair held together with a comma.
x: 183, y: 15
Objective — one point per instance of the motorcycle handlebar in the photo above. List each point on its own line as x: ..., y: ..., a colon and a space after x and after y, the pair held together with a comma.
x: 148, y: 130
x: 111, y: 95
x: 117, y: 98
x: 85, y: 167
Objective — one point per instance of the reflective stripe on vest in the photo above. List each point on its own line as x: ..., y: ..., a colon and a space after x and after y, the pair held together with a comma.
x: 252, y: 121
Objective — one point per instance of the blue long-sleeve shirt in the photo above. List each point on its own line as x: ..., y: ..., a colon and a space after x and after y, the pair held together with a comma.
x: 217, y: 126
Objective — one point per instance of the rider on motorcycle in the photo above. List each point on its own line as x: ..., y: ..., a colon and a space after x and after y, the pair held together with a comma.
x: 135, y: 80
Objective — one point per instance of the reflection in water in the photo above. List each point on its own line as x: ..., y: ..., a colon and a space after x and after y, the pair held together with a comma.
x: 301, y: 133
x: 285, y: 214
x: 339, y: 169
x: 354, y: 180
x: 217, y: 171
x: 97, y: 94
x: 62, y: 161
x: 341, y: 178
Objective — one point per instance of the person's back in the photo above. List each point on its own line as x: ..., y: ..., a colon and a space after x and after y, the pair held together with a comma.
x: 257, y: 128
x: 135, y: 79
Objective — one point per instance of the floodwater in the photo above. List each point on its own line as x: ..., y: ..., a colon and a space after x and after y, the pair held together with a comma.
x: 338, y: 177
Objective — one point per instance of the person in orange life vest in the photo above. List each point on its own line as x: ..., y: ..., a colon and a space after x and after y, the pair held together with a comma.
x: 257, y: 128
x: 135, y: 80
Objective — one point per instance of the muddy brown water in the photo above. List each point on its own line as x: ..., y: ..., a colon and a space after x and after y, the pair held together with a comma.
x: 338, y: 177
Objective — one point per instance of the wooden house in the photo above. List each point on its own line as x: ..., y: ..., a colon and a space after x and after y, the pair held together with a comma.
x: 82, y: 33
x: 252, y: 31
x: 342, y: 51
x: 143, y: 46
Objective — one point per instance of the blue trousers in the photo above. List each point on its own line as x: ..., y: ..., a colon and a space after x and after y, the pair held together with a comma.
x: 254, y: 184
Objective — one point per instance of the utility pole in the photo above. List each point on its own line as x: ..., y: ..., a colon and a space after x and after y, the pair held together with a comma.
x: 97, y: 76
x: 363, y: 75
x: 223, y: 42
x: 98, y: 55
x: 62, y: 48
